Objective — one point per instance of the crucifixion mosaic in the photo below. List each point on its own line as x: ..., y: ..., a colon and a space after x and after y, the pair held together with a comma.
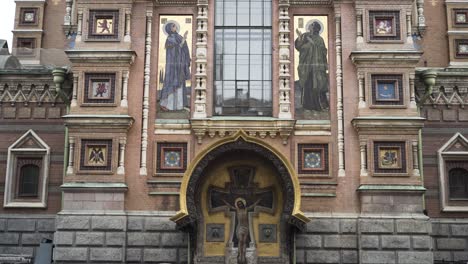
x: 242, y: 198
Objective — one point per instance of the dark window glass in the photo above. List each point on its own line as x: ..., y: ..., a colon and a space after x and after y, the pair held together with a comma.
x: 29, y: 180
x: 458, y: 182
x: 243, y: 58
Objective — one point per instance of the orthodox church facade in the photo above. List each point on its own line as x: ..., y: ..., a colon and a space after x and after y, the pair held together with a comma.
x: 236, y: 131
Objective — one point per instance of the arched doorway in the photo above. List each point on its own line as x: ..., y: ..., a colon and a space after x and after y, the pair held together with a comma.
x: 241, y: 205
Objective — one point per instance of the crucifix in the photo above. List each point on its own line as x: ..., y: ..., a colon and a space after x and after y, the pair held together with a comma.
x: 241, y: 196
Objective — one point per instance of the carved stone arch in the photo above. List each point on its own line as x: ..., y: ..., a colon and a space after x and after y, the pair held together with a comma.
x: 192, y: 217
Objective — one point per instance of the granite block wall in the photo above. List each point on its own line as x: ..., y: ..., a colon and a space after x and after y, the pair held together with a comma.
x: 364, y: 240
x: 134, y: 238
x: 450, y: 238
x: 22, y: 234
x: 92, y: 238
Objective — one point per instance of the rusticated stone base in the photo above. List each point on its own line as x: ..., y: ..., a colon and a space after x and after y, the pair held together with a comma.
x: 118, y: 238
x: 152, y: 238
x: 22, y: 234
x: 450, y: 238
x: 366, y: 240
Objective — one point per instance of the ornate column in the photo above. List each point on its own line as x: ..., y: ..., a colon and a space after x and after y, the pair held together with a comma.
x: 363, y: 149
x: 359, y: 33
x: 409, y: 33
x: 421, y: 18
x: 284, y: 61
x: 201, y: 60
x: 71, y: 151
x: 128, y: 19
x: 412, y: 91
x: 74, y: 91
x: 124, y: 101
x: 144, y: 130
x: 68, y: 11
x: 415, y: 158
x: 362, y: 90
x: 121, y: 168
x: 339, y: 93
x: 79, y: 30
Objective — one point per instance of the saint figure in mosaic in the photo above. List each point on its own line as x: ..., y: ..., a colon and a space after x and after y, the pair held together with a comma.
x: 177, y: 69
x: 312, y: 68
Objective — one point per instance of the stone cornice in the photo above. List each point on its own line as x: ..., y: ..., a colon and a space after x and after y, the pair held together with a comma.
x: 260, y: 127
x: 94, y: 186
x: 311, y: 2
x: 98, y: 121
x: 390, y: 188
x: 101, y: 56
x: 175, y: 2
x: 386, y: 57
x: 362, y: 124
x: 450, y: 88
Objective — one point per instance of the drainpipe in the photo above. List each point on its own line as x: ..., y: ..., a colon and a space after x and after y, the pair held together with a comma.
x: 59, y: 75
x: 429, y: 79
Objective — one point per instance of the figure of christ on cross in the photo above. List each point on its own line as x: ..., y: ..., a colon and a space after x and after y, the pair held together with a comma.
x: 241, y: 196
x: 242, y: 228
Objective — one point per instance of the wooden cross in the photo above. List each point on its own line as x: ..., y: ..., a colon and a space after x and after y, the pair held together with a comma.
x: 241, y: 187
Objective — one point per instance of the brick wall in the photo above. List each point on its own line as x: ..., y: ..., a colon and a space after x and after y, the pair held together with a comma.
x: 21, y: 234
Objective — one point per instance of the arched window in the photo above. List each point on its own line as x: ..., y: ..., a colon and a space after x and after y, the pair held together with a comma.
x: 28, y: 180
x: 458, y: 183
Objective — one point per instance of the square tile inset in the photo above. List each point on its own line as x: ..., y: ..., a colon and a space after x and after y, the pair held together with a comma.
x: 267, y: 233
x: 171, y: 157
x: 214, y: 232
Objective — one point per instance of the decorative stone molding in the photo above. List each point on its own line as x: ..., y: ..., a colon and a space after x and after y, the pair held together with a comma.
x: 79, y: 27
x: 108, y: 122
x: 284, y: 61
x: 172, y: 127
x: 421, y: 18
x: 20, y: 90
x: 201, y: 60
x: 27, y: 146
x: 128, y: 20
x: 99, y: 56
x: 363, y: 150
x: 339, y: 92
x: 265, y: 127
x: 386, y: 58
x: 311, y: 2
x: 442, y: 87
x: 312, y: 128
x: 359, y: 28
x: 121, y: 168
x: 71, y: 152
x: 147, y: 79
x: 124, y: 101
x: 414, y: 145
x: 387, y: 124
x: 67, y: 21
x: 455, y: 149
x: 175, y: 2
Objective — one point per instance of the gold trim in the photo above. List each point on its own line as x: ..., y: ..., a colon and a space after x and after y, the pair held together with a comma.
x: 183, y: 212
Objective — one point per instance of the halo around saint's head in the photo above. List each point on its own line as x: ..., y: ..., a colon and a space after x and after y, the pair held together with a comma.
x: 240, y: 200
x: 170, y: 22
x: 312, y: 21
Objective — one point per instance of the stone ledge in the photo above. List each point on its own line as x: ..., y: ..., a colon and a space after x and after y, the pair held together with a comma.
x: 253, y: 126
